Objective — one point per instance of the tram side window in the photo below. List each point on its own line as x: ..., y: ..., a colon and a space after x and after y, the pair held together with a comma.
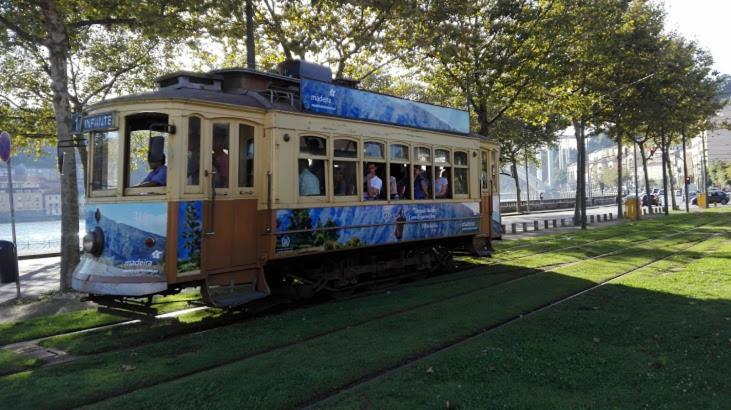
x: 443, y: 174
x: 423, y: 187
x: 194, y: 151
x: 221, y: 152
x: 143, y: 167
x: 375, y: 172
x: 461, y: 173
x: 344, y: 173
x: 246, y: 156
x: 311, y: 166
x: 400, y: 178
x: 105, y: 147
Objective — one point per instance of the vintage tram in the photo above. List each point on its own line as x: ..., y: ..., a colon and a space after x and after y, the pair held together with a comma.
x: 242, y: 181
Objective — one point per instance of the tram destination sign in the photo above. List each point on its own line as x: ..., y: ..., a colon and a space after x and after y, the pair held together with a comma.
x: 102, y: 121
x: 326, y: 98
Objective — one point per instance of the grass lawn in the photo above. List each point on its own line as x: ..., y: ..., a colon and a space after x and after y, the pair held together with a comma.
x: 658, y: 338
x: 296, y: 374
x: 293, y: 357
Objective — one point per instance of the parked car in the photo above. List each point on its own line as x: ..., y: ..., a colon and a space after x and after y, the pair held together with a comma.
x: 714, y: 197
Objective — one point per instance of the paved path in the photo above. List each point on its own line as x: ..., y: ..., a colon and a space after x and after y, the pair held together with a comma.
x: 37, y: 277
x: 557, y: 214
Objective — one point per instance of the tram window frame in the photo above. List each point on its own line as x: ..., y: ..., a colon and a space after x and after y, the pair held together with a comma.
x: 495, y: 166
x: 338, y: 158
x: 246, y: 189
x: 382, y: 173
x: 232, y: 137
x: 447, y: 166
x: 407, y: 193
x: 427, y: 167
x: 308, y: 156
x: 189, y: 188
x: 113, y: 163
x: 132, y: 190
x: 485, y: 176
x: 461, y: 166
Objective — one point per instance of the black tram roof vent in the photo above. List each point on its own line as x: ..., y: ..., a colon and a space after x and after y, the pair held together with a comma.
x: 305, y: 69
x: 190, y: 80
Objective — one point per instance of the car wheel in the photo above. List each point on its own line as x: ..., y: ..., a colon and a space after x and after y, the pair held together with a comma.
x: 724, y: 202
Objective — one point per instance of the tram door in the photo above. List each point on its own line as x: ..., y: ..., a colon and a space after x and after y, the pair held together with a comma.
x: 485, y: 194
x: 230, y: 243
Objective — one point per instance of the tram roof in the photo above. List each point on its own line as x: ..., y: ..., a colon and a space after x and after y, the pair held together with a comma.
x: 272, y: 91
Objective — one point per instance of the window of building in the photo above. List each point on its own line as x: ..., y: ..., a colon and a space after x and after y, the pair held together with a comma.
x: 345, y: 164
x: 105, y: 150
x: 246, y: 156
x: 145, y: 167
x: 220, y: 154
x: 442, y: 174
x: 311, y: 166
x: 193, y: 157
x: 399, y: 186
x: 461, y: 173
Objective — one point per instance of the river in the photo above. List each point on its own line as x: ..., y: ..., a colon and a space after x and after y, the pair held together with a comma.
x: 36, y: 237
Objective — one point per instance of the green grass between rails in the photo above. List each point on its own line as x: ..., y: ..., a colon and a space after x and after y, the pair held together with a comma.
x: 129, y: 336
x: 108, y: 374
x: 13, y: 332
x: 659, y: 338
x: 11, y: 362
x: 301, y: 372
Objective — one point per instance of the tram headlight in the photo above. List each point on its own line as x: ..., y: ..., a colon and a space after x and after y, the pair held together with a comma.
x: 93, y: 242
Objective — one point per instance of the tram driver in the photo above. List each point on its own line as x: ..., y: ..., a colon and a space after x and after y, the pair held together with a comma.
x: 158, y: 172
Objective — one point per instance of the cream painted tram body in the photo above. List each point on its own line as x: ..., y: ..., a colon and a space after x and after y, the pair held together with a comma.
x: 266, y: 188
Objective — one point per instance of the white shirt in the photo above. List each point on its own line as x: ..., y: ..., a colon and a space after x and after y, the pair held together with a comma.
x: 375, y: 183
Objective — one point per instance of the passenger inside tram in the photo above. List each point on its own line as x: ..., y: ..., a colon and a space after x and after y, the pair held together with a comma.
x: 421, y: 184
x: 309, y: 183
x: 374, y: 184
x: 220, y: 156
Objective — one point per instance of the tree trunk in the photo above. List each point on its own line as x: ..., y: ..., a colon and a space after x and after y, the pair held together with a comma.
x: 664, y: 173
x: 514, y: 170
x: 57, y: 44
x: 645, y: 176
x: 577, y: 205
x: 671, y: 178
x: 620, y: 213
x: 581, y: 163
x: 250, y: 43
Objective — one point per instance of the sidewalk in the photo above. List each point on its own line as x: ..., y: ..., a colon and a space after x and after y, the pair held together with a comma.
x: 37, y: 277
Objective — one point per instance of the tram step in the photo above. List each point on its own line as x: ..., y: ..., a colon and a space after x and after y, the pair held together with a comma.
x: 230, y: 296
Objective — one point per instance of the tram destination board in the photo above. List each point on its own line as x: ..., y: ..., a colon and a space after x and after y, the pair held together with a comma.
x: 102, y: 121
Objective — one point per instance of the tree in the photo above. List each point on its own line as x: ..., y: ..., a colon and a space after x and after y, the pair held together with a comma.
x: 519, y: 142
x: 54, y: 33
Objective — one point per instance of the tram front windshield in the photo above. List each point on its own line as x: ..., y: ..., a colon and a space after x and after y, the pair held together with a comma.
x: 145, y: 167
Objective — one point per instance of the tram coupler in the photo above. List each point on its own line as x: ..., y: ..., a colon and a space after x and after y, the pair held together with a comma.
x: 129, y: 308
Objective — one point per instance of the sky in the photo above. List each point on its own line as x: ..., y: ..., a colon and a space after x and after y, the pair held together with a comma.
x: 705, y: 21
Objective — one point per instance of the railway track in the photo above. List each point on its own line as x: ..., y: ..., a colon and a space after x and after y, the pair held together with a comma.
x: 415, y: 307
x: 417, y: 358
x: 258, y: 309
